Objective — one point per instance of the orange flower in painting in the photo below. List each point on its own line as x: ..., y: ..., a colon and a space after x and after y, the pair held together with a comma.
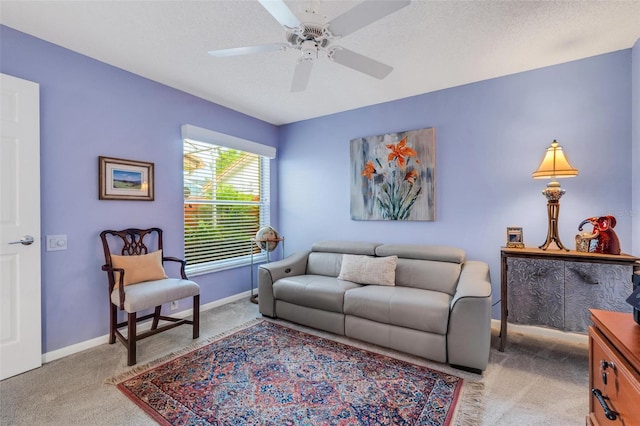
x: 411, y: 176
x: 399, y: 151
x: 369, y: 170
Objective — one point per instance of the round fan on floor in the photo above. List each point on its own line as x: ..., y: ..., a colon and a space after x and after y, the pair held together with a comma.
x: 311, y: 39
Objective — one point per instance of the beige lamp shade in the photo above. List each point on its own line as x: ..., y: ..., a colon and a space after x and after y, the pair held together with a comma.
x: 554, y: 164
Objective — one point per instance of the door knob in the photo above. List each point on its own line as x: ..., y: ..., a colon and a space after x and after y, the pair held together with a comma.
x: 25, y: 240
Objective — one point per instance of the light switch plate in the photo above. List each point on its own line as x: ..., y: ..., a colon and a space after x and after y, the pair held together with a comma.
x: 56, y: 242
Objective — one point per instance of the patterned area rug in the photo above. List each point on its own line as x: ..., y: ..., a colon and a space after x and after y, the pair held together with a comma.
x: 269, y: 374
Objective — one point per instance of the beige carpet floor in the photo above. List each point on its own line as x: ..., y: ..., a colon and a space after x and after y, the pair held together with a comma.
x: 536, y: 381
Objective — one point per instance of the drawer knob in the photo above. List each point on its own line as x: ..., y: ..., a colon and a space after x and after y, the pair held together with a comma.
x: 607, y: 364
x: 609, y: 413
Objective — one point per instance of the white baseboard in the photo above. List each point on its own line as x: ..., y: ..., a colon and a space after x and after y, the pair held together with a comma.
x: 88, y: 344
x: 542, y: 332
x: 512, y: 328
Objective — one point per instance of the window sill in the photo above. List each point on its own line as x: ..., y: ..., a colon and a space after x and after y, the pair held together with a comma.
x: 222, y: 265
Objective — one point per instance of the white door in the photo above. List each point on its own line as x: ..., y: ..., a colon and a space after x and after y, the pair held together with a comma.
x: 20, y: 327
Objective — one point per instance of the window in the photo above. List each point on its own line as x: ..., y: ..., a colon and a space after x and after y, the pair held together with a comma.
x: 226, y: 201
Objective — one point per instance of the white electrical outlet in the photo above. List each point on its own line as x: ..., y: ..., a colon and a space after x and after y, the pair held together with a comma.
x: 174, y: 305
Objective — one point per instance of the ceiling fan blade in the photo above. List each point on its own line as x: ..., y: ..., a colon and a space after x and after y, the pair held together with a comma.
x: 236, y: 51
x: 364, y: 14
x: 301, y: 76
x: 279, y: 10
x: 360, y: 63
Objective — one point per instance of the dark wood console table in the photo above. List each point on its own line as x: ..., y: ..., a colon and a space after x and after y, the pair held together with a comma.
x: 533, y: 284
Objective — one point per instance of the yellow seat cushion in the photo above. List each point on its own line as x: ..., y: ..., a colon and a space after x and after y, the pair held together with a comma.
x: 137, y: 269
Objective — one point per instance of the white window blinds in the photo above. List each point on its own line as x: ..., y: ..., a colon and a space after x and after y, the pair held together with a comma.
x: 226, y: 201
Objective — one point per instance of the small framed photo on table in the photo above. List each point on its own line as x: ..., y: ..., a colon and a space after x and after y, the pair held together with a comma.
x: 120, y: 179
x: 514, y: 237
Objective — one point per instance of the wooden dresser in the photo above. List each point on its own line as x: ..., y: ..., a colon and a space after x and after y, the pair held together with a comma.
x: 614, y: 369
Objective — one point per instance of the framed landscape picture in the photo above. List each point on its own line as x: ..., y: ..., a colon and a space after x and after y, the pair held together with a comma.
x: 120, y: 179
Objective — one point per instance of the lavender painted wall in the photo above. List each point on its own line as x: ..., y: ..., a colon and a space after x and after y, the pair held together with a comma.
x: 490, y: 137
x: 635, y: 120
x: 89, y: 109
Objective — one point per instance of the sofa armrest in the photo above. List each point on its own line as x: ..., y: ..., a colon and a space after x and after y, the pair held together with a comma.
x: 469, y: 333
x: 269, y: 273
x: 474, y: 281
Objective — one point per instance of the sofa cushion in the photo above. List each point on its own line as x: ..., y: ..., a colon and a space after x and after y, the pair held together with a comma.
x: 418, y: 309
x: 313, y: 291
x: 414, y: 251
x: 326, y: 256
x: 434, y: 268
x: 345, y: 247
x: 428, y: 275
x: 328, y: 264
x: 368, y: 269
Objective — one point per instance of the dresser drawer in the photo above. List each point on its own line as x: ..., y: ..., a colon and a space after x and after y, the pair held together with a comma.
x: 617, y: 381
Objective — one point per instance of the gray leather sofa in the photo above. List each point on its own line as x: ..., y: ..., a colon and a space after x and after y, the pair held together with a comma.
x: 439, y: 307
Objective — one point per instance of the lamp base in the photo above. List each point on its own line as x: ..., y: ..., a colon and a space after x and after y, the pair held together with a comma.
x: 553, y: 192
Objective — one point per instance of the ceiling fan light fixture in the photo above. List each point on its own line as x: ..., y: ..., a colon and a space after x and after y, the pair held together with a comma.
x: 309, y: 49
x: 306, y: 32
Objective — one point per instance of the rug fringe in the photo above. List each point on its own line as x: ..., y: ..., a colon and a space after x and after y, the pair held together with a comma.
x: 470, y: 406
x: 168, y: 357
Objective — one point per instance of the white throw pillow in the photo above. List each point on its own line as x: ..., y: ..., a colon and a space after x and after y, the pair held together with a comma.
x: 369, y: 269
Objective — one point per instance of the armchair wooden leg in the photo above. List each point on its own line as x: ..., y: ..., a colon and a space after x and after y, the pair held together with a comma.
x: 156, y: 318
x: 113, y: 321
x: 131, y: 339
x: 196, y: 316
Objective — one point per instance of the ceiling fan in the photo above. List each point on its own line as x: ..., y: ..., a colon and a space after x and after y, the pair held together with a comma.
x: 311, y: 38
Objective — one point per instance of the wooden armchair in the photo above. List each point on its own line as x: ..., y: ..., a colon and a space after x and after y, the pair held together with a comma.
x: 138, y: 282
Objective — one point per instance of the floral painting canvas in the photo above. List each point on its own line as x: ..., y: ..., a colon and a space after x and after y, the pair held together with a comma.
x: 393, y: 176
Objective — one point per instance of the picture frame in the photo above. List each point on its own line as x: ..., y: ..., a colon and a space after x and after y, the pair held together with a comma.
x: 514, y: 237
x: 120, y: 179
x: 393, y: 176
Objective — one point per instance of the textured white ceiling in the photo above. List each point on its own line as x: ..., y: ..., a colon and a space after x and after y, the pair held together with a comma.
x: 431, y: 45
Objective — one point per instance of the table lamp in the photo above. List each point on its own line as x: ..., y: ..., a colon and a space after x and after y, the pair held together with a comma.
x: 554, y: 165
